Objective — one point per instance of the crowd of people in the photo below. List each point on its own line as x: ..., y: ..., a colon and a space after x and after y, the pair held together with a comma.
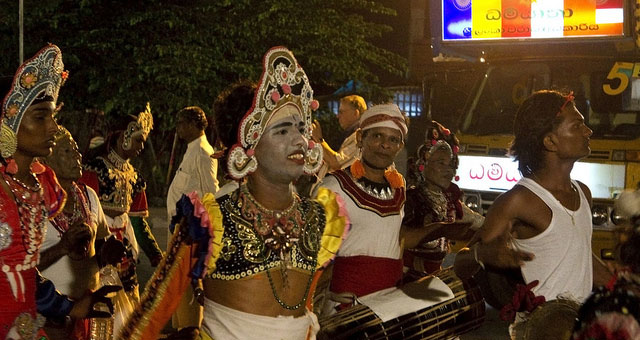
x: 250, y: 256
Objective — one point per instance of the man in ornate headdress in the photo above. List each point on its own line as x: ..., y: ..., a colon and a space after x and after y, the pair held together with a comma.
x: 259, y: 245
x: 29, y: 195
x: 122, y: 194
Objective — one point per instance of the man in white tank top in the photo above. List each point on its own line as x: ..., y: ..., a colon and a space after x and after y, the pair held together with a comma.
x: 543, y: 224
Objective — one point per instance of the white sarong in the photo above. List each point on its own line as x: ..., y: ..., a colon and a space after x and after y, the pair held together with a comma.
x: 221, y: 322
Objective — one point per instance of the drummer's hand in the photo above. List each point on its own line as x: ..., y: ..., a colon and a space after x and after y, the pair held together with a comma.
x: 112, y: 251
x: 465, y: 265
x: 76, y: 241
x: 498, y: 254
x: 94, y: 305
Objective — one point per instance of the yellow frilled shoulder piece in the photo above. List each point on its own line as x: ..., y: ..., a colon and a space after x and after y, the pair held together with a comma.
x: 215, y: 216
x: 336, y: 228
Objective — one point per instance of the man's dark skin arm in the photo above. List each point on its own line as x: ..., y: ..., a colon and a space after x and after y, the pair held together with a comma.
x: 490, y: 246
x: 73, y: 242
x: 412, y: 237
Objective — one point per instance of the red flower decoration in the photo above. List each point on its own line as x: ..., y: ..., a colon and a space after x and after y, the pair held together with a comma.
x: 286, y: 88
x: 314, y: 105
x: 523, y: 301
x: 28, y: 80
x: 275, y: 96
x: 64, y: 75
x: 251, y: 152
x: 12, y: 110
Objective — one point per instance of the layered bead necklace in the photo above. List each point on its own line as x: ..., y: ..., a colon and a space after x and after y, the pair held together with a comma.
x: 280, y: 231
x: 31, y: 209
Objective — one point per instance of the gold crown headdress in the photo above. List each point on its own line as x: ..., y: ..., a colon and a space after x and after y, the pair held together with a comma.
x: 283, y: 82
x: 39, y: 77
x: 141, y: 126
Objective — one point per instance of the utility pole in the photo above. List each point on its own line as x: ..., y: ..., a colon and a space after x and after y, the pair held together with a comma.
x: 21, y: 30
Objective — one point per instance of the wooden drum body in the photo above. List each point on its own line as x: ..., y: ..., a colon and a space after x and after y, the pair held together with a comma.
x: 464, y: 312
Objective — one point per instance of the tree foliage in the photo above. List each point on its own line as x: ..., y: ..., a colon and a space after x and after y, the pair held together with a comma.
x: 177, y: 53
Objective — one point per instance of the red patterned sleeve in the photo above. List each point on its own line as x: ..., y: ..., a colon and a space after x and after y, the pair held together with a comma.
x: 139, y: 206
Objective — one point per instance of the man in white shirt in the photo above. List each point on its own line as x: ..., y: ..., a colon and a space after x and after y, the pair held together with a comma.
x: 197, y: 172
x: 349, y: 111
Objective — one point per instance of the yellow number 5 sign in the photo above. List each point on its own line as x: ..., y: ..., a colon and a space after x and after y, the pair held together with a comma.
x: 622, y: 71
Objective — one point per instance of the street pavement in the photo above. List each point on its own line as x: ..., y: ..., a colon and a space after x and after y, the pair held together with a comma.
x: 492, y: 329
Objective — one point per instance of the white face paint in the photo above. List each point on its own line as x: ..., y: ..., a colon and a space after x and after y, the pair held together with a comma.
x: 438, y: 168
x: 282, y: 147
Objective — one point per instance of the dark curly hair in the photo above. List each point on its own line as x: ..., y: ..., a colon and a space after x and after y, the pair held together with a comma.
x: 536, y: 117
x: 195, y: 115
x: 229, y: 108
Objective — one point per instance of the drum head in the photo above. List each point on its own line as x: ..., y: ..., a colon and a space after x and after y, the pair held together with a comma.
x: 560, y: 313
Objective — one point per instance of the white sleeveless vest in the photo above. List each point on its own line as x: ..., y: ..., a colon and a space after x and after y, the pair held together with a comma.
x: 562, y: 262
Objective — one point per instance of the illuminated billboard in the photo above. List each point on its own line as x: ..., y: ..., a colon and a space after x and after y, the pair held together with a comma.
x: 499, y: 174
x: 464, y: 20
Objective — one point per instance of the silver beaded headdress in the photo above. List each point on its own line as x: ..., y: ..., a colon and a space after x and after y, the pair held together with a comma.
x: 283, y: 82
x: 39, y: 77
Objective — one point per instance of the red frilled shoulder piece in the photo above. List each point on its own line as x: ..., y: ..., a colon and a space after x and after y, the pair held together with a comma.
x: 54, y: 196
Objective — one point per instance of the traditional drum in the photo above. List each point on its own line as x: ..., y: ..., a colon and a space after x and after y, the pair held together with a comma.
x: 561, y: 313
x: 464, y: 312
x: 498, y: 285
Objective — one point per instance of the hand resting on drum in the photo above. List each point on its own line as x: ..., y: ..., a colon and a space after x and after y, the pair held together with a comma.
x: 412, y: 237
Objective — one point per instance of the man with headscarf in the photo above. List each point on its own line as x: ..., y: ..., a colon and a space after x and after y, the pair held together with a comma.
x: 374, y: 193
